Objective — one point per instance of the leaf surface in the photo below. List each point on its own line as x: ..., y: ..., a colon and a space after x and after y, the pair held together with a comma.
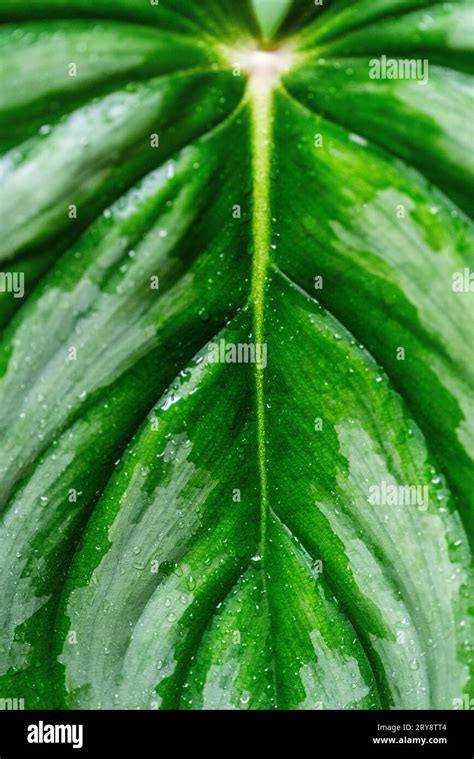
x: 187, y: 470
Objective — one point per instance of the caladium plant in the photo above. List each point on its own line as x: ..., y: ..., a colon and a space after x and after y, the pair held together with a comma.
x: 235, y: 373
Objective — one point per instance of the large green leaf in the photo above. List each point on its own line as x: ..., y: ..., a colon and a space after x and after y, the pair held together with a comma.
x: 184, y: 532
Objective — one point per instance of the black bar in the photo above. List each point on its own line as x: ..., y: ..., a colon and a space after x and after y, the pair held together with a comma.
x: 152, y: 733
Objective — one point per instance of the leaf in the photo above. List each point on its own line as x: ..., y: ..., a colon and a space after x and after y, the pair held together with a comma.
x: 270, y: 15
x: 236, y: 399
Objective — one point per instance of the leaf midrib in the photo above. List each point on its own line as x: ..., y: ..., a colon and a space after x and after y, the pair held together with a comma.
x: 261, y: 91
x: 260, y: 99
